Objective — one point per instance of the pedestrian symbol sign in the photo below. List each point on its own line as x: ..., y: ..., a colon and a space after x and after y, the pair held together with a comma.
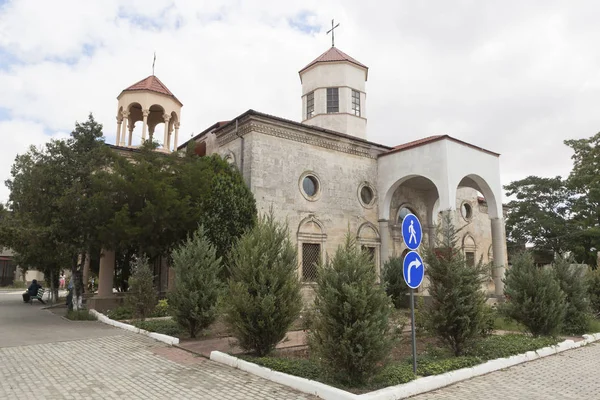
x: 411, y: 231
x: 414, y: 270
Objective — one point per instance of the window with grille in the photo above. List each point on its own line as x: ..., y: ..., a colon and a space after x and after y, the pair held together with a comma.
x: 310, y: 104
x: 333, y: 100
x: 356, y: 102
x: 311, y: 256
x: 470, y: 258
x: 371, y: 251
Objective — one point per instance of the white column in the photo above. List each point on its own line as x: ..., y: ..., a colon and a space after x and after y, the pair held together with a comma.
x: 384, y: 234
x: 106, y: 273
x: 145, y: 114
x: 166, y: 117
x: 124, y: 128
x: 131, y: 126
x: 176, y: 136
x: 499, y: 257
x: 119, y: 121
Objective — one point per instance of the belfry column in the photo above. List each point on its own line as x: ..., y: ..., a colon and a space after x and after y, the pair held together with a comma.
x: 119, y: 122
x: 131, y: 126
x: 166, y: 117
x: 145, y: 114
x: 499, y: 259
x: 124, y: 128
x: 107, y: 272
x: 176, y: 136
x: 384, y: 233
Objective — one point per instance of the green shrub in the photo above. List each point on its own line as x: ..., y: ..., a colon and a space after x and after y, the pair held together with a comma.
x: 493, y: 347
x: 394, y: 374
x: 164, y: 326
x: 120, y: 313
x: 427, y: 367
x: 351, y: 329
x: 19, y: 285
x: 197, y: 284
x: 593, y: 279
x: 293, y: 366
x: 393, y: 278
x: 80, y: 315
x: 573, y: 283
x: 263, y: 298
x: 457, y: 313
x: 141, y: 298
x: 161, y: 309
x: 533, y: 297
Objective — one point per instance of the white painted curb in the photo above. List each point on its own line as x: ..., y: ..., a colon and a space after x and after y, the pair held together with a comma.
x: 156, y: 336
x: 412, y: 388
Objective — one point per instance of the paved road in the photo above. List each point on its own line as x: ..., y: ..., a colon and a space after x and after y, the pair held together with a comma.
x: 89, y: 360
x: 569, y: 375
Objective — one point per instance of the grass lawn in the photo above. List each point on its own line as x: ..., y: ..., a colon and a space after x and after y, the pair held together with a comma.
x: 431, y: 360
x: 506, y: 324
x: 594, y: 326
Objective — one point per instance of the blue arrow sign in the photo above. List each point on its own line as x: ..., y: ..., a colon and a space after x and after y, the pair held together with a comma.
x: 414, y: 270
x: 411, y: 231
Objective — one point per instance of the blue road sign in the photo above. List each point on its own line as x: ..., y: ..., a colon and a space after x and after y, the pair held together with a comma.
x: 411, y: 231
x: 414, y: 270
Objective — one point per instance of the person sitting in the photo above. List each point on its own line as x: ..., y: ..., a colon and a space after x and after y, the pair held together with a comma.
x: 32, y: 292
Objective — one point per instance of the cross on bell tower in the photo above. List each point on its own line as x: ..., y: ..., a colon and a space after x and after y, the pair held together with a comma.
x: 332, y: 33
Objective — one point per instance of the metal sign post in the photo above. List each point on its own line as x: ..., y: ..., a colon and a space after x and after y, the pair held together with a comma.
x: 413, y: 270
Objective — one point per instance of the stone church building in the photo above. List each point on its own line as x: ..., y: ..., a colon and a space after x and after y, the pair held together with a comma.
x: 324, y: 176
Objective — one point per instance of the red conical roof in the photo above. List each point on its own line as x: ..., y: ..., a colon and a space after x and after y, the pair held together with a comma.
x: 153, y: 84
x: 333, y: 55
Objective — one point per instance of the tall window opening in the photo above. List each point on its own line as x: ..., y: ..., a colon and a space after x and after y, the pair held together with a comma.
x: 333, y: 100
x: 311, y: 256
x: 310, y: 105
x: 356, y: 102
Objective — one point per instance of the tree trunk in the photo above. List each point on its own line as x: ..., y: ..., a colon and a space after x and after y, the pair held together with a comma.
x: 77, y: 282
x: 52, y: 287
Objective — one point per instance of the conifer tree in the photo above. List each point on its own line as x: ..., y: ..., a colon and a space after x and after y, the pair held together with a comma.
x: 572, y: 281
x: 197, y: 285
x: 533, y: 297
x: 142, y: 295
x: 351, y: 333
x: 457, y: 312
x: 393, y: 278
x: 263, y: 297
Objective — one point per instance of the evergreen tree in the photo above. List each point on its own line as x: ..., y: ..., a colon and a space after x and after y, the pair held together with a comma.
x: 533, y: 297
x: 197, y: 285
x: 351, y: 331
x: 142, y: 295
x: 457, y: 313
x: 393, y: 278
x: 263, y: 297
x: 593, y: 282
x: 572, y: 281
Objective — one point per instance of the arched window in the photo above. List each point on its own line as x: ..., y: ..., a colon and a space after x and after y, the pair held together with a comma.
x: 311, y: 241
x: 469, y: 247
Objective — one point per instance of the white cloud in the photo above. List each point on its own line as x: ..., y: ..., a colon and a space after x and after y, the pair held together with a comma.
x: 512, y: 77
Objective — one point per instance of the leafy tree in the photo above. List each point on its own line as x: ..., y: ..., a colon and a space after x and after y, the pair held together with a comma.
x: 263, y: 297
x: 584, y: 180
x: 457, y: 313
x: 572, y: 281
x: 393, y: 277
x: 533, y: 297
x: 351, y: 330
x: 142, y: 295
x: 593, y: 278
x: 539, y: 215
x: 197, y: 283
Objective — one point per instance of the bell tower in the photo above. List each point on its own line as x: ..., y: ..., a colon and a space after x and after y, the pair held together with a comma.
x: 333, y: 93
x: 148, y: 103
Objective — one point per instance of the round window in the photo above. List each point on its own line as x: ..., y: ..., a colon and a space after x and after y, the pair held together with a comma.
x: 403, y: 213
x: 466, y: 211
x: 310, y: 185
x: 366, y: 194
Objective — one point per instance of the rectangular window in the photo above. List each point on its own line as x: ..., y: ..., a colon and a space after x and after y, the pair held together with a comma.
x: 333, y: 100
x: 371, y: 251
x: 356, y: 102
x: 470, y: 258
x: 311, y: 257
x: 310, y: 105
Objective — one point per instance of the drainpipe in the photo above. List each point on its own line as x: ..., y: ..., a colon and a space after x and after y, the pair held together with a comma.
x: 242, y: 151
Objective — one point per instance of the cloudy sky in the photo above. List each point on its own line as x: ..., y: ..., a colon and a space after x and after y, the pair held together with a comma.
x: 514, y: 77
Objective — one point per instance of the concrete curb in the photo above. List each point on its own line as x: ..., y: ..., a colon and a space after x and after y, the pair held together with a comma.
x: 412, y: 388
x: 156, y: 336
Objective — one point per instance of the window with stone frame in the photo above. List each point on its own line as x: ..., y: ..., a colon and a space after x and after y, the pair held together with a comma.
x: 311, y: 257
x: 356, y: 102
x: 310, y: 105
x: 333, y: 100
x: 371, y: 252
